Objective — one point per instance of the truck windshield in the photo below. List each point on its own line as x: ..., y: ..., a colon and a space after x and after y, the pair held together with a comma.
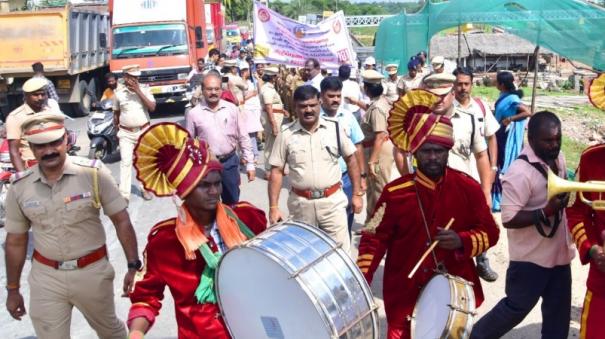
x: 149, y: 40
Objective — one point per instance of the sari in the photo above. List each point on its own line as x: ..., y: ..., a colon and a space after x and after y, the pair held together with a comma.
x: 510, y: 141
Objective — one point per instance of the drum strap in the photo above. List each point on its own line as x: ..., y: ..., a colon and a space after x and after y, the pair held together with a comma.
x: 426, y: 225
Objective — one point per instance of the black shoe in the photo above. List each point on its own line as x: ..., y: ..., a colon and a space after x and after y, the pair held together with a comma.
x: 485, y: 272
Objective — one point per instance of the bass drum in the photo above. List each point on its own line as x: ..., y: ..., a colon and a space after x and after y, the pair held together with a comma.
x: 292, y: 281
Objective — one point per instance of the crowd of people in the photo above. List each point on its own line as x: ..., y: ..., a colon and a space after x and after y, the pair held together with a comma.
x: 422, y: 150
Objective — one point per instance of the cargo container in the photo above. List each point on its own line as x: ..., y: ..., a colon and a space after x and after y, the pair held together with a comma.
x: 70, y: 41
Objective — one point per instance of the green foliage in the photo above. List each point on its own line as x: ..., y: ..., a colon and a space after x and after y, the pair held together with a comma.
x: 240, y: 10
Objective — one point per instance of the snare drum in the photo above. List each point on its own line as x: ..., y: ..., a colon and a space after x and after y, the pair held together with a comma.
x: 292, y: 281
x: 445, y: 309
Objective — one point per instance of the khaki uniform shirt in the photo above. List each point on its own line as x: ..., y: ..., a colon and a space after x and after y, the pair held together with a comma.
x: 268, y: 95
x: 390, y: 89
x: 406, y: 83
x: 238, y: 86
x: 63, y: 219
x: 460, y: 155
x: 133, y: 113
x: 375, y: 119
x: 13, y: 128
x: 311, y: 156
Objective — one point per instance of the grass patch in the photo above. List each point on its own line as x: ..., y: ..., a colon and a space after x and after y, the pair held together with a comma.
x: 364, y: 34
x: 573, y: 150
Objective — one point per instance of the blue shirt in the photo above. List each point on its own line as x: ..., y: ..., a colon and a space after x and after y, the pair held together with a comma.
x: 352, y: 129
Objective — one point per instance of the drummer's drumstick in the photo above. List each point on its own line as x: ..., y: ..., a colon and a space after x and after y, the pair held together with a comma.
x: 428, y: 251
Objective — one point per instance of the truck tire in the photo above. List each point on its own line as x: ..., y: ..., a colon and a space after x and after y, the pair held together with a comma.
x: 82, y: 108
x: 92, y: 90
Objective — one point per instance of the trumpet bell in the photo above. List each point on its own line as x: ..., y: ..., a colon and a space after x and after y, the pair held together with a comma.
x: 557, y: 185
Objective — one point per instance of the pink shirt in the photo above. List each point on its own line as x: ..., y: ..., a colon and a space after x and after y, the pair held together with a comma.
x: 222, y: 129
x: 524, y: 189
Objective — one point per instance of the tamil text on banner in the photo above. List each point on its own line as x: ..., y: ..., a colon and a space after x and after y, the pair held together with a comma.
x: 281, y: 40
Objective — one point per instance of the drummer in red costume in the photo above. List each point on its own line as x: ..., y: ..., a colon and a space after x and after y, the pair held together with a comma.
x: 182, y: 253
x: 588, y: 229
x: 419, y: 204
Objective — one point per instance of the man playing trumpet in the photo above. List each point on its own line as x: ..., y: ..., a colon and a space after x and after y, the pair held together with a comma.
x: 587, y: 225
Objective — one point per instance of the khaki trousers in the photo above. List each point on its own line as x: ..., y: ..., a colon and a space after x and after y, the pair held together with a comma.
x: 329, y: 214
x: 383, y: 169
x: 269, y: 137
x: 54, y: 293
x: 127, y: 142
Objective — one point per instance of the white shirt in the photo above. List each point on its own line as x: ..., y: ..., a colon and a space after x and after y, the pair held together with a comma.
x: 316, y: 82
x: 350, y: 89
x: 489, y: 124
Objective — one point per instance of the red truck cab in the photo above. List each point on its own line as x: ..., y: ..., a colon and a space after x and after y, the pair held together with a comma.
x: 164, y: 37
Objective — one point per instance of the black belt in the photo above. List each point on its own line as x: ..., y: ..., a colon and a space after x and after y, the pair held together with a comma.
x: 223, y: 158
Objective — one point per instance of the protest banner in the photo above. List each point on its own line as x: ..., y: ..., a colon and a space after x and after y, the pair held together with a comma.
x: 281, y: 40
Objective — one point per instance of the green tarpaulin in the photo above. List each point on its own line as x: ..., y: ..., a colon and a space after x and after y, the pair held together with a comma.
x: 573, y: 29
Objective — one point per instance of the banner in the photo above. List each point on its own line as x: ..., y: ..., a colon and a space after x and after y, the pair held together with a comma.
x: 281, y: 40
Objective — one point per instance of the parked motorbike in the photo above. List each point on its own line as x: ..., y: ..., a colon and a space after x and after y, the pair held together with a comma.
x: 102, y: 133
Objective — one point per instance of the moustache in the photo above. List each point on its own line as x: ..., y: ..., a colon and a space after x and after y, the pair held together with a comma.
x: 50, y: 156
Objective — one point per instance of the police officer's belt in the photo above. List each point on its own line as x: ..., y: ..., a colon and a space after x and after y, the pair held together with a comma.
x: 317, y: 194
x: 279, y: 110
x: 134, y: 129
x: 81, y: 262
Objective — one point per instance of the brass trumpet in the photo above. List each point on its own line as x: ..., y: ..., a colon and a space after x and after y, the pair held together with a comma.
x: 557, y: 185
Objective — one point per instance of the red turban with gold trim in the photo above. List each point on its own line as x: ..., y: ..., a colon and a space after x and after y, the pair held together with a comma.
x: 412, y: 124
x: 168, y: 161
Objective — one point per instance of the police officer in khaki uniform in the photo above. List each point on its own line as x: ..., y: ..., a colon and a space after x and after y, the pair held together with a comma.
x: 390, y: 83
x: 273, y: 112
x: 378, y: 146
x: 236, y: 84
x: 59, y: 200
x: 36, y: 101
x: 311, y: 147
x: 132, y: 104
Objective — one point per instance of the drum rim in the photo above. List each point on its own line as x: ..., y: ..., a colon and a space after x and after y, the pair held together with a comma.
x: 449, y: 277
x: 369, y: 296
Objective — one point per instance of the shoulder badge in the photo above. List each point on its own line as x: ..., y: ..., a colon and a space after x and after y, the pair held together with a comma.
x: 371, y: 225
x: 20, y: 175
x: 85, y: 162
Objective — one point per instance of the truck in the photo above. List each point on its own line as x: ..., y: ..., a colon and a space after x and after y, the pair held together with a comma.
x: 215, y: 22
x: 71, y: 43
x: 164, y: 37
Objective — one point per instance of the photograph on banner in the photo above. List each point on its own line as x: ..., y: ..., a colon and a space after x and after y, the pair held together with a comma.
x: 281, y: 40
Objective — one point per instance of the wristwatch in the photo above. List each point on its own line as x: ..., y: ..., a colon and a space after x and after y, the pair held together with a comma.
x: 135, y: 265
x: 364, y: 175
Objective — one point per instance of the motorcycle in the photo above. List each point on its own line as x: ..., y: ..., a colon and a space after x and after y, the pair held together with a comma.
x: 102, y: 133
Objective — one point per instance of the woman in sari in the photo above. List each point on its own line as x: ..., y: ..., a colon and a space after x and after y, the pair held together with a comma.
x: 512, y: 115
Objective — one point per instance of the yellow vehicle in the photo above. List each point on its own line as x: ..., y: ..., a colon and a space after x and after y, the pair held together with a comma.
x: 232, y: 35
x: 71, y: 43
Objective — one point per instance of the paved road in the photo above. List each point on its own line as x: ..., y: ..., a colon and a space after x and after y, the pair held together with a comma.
x: 145, y: 214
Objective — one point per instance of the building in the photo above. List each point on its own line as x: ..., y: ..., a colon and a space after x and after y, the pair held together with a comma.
x: 491, y: 52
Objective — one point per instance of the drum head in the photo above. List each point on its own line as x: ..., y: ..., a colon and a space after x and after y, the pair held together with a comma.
x: 258, y: 299
x: 431, y: 312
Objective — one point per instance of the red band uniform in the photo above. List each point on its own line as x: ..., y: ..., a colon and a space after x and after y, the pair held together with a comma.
x: 587, y: 226
x: 169, y: 258
x: 397, y: 226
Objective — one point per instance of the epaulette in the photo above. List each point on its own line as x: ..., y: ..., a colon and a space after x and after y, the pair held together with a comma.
x: 406, y: 184
x: 162, y: 225
x: 20, y: 175
x: 85, y: 162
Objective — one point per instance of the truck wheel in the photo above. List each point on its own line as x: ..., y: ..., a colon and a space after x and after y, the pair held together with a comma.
x: 92, y: 90
x: 82, y: 108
